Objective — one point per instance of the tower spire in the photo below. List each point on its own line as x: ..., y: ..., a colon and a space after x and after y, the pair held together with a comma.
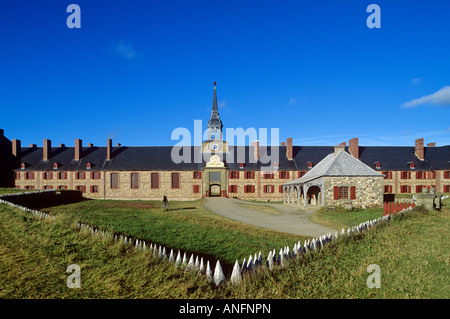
x: 215, y: 124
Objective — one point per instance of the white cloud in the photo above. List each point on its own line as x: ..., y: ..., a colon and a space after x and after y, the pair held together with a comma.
x: 292, y: 101
x: 124, y: 50
x: 441, y: 98
x: 417, y: 81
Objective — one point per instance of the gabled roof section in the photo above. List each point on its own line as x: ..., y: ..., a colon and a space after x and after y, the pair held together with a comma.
x: 341, y: 164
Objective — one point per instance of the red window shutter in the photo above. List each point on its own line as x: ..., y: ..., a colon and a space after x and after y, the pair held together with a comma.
x: 287, y: 174
x: 253, y: 175
x: 336, y: 192
x: 237, y: 174
x: 84, y: 175
x: 353, y: 192
x: 51, y: 175
x: 32, y: 175
x: 253, y: 188
x: 273, y: 187
x: 409, y: 189
x: 409, y: 175
x: 199, y: 175
x: 229, y: 174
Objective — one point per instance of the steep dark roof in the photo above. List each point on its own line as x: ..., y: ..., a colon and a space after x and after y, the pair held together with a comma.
x: 159, y: 158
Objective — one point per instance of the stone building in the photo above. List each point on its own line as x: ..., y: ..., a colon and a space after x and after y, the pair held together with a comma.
x: 211, y: 169
x: 338, y: 180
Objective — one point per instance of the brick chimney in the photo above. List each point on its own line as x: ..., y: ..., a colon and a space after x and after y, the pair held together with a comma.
x: 283, y: 144
x: 47, y: 150
x: 420, y: 153
x: 289, y: 149
x: 431, y: 144
x: 353, y: 147
x: 108, y: 149
x: 338, y: 149
x: 78, y: 149
x: 16, y: 146
x: 255, y: 145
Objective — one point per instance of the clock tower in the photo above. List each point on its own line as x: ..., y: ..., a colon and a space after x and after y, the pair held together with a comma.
x: 215, y: 180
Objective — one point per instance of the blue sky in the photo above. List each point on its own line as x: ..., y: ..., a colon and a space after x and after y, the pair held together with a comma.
x: 137, y: 70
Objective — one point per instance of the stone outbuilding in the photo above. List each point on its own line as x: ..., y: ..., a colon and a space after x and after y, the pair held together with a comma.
x: 338, y: 180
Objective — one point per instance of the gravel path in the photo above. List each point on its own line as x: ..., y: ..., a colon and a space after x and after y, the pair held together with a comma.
x: 288, y: 219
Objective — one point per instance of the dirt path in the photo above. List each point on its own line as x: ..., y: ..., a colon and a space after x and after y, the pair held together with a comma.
x: 288, y: 219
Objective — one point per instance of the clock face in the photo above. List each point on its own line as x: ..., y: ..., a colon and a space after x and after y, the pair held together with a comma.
x: 214, y: 147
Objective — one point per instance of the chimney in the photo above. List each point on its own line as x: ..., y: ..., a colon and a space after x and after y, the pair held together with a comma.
x: 16, y: 146
x: 78, y: 149
x: 2, y: 132
x: 419, y: 149
x: 344, y: 144
x: 90, y: 145
x: 108, y: 149
x: 255, y: 145
x: 289, y: 150
x: 283, y: 144
x: 33, y: 145
x: 353, y: 147
x: 338, y: 149
x: 431, y: 144
x: 47, y: 150
x: 62, y: 145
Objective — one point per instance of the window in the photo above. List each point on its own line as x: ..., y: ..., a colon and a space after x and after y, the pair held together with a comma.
x: 29, y: 187
x: 134, y: 180
x: 114, y: 180
x: 300, y: 174
x: 284, y: 175
x: 387, y: 175
x: 268, y: 188
x: 268, y: 175
x: 81, y: 188
x: 446, y: 188
x: 196, y: 189
x: 419, y: 189
x: 95, y: 175
x: 431, y: 175
x: 47, y: 175
x: 197, y: 175
x: 249, y: 189
x: 62, y: 175
x: 175, y: 180
x: 405, y: 189
x: 48, y: 187
x: 249, y: 175
x: 80, y: 175
x: 420, y: 175
x: 446, y: 174
x: 232, y: 189
x: 154, y: 181
x: 405, y: 175
x: 17, y: 175
x: 94, y: 189
x: 29, y: 175
x: 61, y: 187
x: 388, y: 188
x: 234, y: 174
x: 344, y: 192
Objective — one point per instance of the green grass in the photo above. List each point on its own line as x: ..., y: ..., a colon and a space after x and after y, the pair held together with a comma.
x: 187, y: 226
x: 342, y: 218
x: 413, y: 253
x: 5, y: 190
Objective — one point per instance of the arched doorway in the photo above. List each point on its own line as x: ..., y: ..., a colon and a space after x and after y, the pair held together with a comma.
x: 313, y: 195
x: 214, y: 190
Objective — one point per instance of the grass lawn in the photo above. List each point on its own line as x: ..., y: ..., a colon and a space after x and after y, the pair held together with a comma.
x: 187, y: 226
x: 412, y: 251
x: 342, y: 218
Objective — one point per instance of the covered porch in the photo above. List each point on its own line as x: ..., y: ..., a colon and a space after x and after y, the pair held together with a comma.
x: 304, y: 193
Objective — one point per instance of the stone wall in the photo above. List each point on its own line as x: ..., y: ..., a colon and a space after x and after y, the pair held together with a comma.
x: 368, y: 191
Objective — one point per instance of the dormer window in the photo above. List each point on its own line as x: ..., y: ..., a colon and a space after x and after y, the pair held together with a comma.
x: 275, y: 165
x: 88, y: 166
x: 377, y: 165
x: 241, y: 165
x: 55, y: 165
x: 22, y: 166
x: 411, y: 165
x: 310, y: 165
